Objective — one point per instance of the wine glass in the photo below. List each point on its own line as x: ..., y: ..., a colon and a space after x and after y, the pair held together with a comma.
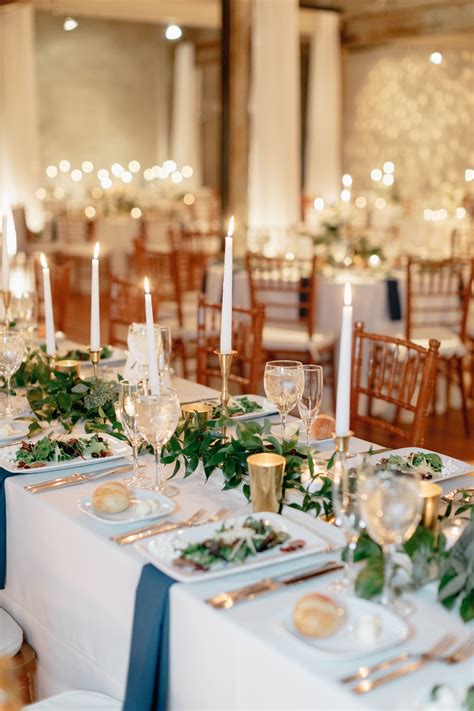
x: 12, y: 348
x: 164, y: 353
x: 346, y: 485
x: 157, y: 418
x: 391, y: 506
x: 137, y: 342
x: 283, y: 382
x: 309, y: 404
x: 130, y: 391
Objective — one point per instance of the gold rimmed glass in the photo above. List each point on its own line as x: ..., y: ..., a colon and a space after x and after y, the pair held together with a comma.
x: 283, y: 382
x: 12, y: 350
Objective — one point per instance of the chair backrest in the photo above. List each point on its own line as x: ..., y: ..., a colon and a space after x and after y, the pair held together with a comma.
x: 126, y: 306
x: 75, y: 228
x: 400, y: 375
x: 438, y: 294
x: 247, y: 326
x: 60, y: 290
x: 163, y: 271
x: 287, y: 288
x: 198, y: 250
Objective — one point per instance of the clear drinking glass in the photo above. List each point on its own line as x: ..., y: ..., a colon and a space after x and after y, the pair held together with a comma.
x: 157, y: 418
x: 391, y: 506
x: 138, y: 346
x: 130, y: 391
x: 283, y: 382
x: 164, y: 357
x: 346, y: 504
x: 309, y: 403
x: 12, y: 349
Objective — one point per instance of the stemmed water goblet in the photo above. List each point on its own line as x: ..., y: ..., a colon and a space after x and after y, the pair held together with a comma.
x: 138, y: 346
x: 164, y: 356
x: 12, y: 349
x: 157, y: 419
x: 283, y: 382
x: 391, y: 506
x: 130, y: 391
x: 309, y: 404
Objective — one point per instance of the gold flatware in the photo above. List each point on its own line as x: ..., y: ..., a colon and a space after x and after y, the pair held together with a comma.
x: 364, y: 672
x: 442, y: 646
x: 226, y: 600
x: 369, y: 452
x: 448, y: 498
x: 147, y: 531
x: 13, y: 442
x: 72, y: 479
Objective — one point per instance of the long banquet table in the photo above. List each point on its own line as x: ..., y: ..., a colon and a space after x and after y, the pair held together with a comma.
x: 73, y: 592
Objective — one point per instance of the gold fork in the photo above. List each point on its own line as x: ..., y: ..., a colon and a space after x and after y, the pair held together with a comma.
x: 424, y: 659
x: 147, y: 531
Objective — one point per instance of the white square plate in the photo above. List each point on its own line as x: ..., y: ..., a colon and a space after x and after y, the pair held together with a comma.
x: 451, y: 467
x: 345, y: 644
x: 118, y: 448
x: 21, y: 430
x: 131, y: 515
x: 163, y: 549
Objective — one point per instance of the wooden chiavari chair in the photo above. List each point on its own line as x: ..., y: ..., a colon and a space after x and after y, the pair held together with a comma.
x: 247, y: 327
x: 287, y: 288
x: 126, y: 306
x: 200, y: 249
x: 389, y: 371
x: 438, y: 294
x: 163, y: 271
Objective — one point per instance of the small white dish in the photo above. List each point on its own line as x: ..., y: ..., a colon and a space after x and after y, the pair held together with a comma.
x: 345, y: 643
x: 20, y: 430
x: 131, y: 515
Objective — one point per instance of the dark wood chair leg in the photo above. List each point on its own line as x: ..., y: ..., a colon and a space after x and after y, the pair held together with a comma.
x: 465, y: 414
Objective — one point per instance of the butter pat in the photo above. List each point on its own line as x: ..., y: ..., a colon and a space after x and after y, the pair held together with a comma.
x: 368, y: 629
x: 145, y: 508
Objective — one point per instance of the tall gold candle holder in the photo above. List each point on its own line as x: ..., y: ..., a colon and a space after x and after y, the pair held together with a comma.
x: 51, y: 360
x: 94, y: 357
x: 225, y: 363
x: 6, y: 298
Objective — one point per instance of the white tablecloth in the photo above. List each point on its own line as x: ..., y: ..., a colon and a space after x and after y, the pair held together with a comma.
x: 369, y: 297
x: 73, y: 592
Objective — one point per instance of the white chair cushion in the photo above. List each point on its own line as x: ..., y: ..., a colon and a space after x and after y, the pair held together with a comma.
x: 279, y: 338
x: 451, y: 344
x: 11, y: 635
x: 77, y: 701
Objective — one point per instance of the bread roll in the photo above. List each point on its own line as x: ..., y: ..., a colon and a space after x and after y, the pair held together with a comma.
x: 112, y: 497
x: 323, y: 427
x: 316, y: 615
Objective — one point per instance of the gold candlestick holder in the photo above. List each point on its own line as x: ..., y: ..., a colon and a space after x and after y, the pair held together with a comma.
x: 6, y: 298
x: 342, y: 448
x: 225, y: 363
x: 51, y: 360
x: 94, y: 357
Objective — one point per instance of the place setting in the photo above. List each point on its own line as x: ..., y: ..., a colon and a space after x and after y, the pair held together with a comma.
x: 236, y: 355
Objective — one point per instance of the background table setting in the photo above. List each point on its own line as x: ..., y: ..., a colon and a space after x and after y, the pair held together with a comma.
x: 89, y: 566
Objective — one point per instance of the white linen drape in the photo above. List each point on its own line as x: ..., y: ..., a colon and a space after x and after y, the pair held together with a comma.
x: 323, y: 133
x: 185, y: 143
x: 19, y: 139
x: 274, y: 164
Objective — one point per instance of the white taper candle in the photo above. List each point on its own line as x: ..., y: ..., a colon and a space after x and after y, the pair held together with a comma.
x: 153, y: 379
x: 95, y: 301
x: 343, y: 407
x: 5, y: 260
x: 226, y: 312
x: 48, y: 309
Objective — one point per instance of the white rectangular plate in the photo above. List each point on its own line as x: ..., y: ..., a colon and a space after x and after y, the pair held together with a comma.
x: 161, y: 550
x: 345, y: 644
x: 118, y: 448
x: 131, y: 515
x: 451, y: 467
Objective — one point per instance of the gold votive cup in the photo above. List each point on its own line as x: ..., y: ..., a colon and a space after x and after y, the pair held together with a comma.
x: 68, y: 365
x: 431, y: 495
x: 197, y: 412
x: 266, y: 478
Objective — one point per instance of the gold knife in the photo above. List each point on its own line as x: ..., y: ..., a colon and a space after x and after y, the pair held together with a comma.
x: 73, y: 479
x: 226, y: 600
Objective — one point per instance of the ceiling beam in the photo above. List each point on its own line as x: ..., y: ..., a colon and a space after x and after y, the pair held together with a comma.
x: 376, y: 28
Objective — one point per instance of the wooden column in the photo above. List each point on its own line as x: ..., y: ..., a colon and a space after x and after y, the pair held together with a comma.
x: 236, y: 28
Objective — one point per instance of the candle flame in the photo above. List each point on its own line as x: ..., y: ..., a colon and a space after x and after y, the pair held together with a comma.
x: 96, y: 250
x: 147, y: 285
x: 43, y: 261
x: 347, y: 294
x: 230, y: 231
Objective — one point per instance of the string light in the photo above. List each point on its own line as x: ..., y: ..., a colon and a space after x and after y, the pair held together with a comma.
x: 436, y: 57
x: 347, y: 180
x: 376, y: 174
x: 76, y: 175
x: 87, y: 166
x: 388, y: 167
x: 64, y: 166
x: 51, y: 171
x: 345, y: 195
x: 136, y: 213
x: 189, y: 199
x: 173, y: 32
x: 388, y: 179
x: 360, y: 201
x: 117, y: 169
x: 187, y: 171
x: 319, y: 203
x: 134, y: 166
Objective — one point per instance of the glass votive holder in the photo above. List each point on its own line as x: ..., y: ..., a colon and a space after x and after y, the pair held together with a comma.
x: 431, y: 495
x: 266, y: 479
